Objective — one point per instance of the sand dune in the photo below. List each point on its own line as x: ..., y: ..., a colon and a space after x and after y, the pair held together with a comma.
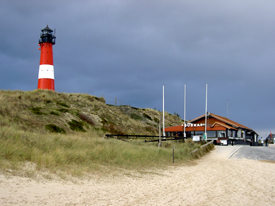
x: 213, y: 180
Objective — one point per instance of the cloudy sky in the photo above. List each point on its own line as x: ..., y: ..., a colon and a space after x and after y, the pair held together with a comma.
x: 129, y: 49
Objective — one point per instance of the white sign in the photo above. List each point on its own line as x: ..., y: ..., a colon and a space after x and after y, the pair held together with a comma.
x: 224, y: 142
x: 194, y: 125
x: 196, y: 138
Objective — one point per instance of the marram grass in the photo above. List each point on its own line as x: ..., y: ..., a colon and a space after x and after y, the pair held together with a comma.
x: 63, y: 133
x: 84, y: 152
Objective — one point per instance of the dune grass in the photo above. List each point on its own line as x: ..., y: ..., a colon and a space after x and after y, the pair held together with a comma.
x: 77, y: 154
x: 32, y: 110
x: 64, y: 132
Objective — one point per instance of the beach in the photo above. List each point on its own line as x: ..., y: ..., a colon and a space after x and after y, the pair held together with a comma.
x: 212, y: 180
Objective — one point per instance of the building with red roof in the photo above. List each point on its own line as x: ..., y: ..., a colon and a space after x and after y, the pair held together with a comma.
x: 218, y: 128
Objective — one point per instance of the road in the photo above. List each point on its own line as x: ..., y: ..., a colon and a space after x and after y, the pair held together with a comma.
x: 248, y: 152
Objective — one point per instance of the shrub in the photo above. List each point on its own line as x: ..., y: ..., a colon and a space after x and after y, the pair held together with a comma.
x: 135, y: 116
x: 76, y: 126
x: 54, y: 113
x: 151, y: 129
x: 54, y: 128
x: 113, y: 129
x: 156, y: 119
x: 63, y: 110
x: 36, y: 110
x: 62, y: 104
x: 147, y: 116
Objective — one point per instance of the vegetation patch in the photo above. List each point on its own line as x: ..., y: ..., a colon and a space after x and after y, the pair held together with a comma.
x: 147, y: 116
x: 150, y: 129
x: 36, y: 110
x: 47, y: 101
x: 54, y: 128
x: 76, y: 126
x: 202, y: 150
x: 113, y: 129
x: 96, y: 108
x: 2, y: 112
x: 63, y: 110
x: 62, y: 104
x: 87, y: 119
x: 156, y: 119
x: 74, y: 112
x: 106, y: 118
x: 135, y: 116
x: 101, y: 99
x: 52, y: 145
x: 54, y: 113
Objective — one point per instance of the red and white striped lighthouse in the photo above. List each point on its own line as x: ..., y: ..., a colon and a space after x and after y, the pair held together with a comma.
x: 46, y: 69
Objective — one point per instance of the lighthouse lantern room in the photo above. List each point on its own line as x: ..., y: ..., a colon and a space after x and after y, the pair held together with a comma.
x: 46, y: 68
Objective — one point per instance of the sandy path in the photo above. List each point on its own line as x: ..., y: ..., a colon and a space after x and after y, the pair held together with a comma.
x: 214, y: 180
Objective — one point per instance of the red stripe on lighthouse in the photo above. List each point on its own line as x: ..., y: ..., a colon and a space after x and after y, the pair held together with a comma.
x: 46, y: 84
x: 46, y: 55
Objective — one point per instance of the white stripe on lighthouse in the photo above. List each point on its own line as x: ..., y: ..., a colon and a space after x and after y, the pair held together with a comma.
x: 46, y: 71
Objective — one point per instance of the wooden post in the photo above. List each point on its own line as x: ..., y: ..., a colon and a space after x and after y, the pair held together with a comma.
x: 173, y: 154
x: 160, y: 119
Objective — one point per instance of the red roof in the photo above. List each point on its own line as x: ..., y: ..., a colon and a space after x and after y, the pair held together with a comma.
x: 215, y: 122
x: 223, y: 119
x: 174, y: 128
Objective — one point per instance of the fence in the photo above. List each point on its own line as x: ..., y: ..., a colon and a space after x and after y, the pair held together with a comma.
x: 196, y: 152
x: 153, y: 138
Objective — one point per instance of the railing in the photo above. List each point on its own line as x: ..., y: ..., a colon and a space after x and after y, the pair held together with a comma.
x: 154, y: 138
x: 194, y: 151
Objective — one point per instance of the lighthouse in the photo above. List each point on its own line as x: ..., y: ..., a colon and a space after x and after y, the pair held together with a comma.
x: 46, y: 69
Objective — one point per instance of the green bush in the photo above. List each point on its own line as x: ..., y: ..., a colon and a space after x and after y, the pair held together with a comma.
x: 47, y: 101
x: 76, y: 126
x: 54, y: 113
x: 36, y: 110
x: 135, y: 116
x: 54, y: 128
x: 63, y: 110
x: 62, y: 104
x: 147, y: 116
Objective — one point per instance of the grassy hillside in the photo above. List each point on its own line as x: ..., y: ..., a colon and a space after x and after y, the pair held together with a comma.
x: 46, y: 131
x: 41, y: 111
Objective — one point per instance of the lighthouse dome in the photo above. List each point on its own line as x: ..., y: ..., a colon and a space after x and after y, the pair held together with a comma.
x: 47, y: 35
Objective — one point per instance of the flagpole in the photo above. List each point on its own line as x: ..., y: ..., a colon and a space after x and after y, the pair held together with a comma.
x: 163, y: 111
x: 205, y: 134
x: 184, y: 111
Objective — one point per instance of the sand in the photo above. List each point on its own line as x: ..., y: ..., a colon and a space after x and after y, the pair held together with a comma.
x: 213, y: 180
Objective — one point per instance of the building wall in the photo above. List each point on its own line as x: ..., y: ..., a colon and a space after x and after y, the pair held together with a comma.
x: 219, y: 133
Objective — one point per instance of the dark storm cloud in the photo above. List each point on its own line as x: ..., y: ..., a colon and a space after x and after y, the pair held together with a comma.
x: 130, y: 49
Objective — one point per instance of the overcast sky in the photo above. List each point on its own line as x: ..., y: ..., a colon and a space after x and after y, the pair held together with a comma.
x: 129, y: 49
